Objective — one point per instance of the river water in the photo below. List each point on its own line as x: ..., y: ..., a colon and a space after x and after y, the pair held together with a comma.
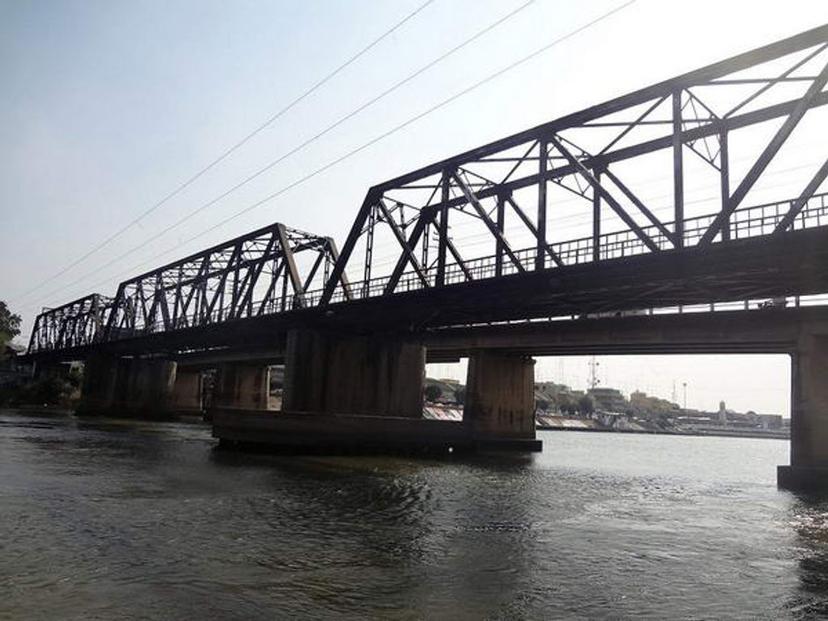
x: 132, y: 520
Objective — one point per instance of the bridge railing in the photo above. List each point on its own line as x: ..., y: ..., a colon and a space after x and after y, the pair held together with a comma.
x: 753, y: 221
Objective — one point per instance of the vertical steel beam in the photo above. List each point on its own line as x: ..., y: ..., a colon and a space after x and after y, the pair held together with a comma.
x: 369, y: 252
x: 348, y: 248
x: 543, y: 164
x: 501, y: 217
x: 724, y: 176
x: 443, y: 230
x: 596, y: 220
x: 678, y: 172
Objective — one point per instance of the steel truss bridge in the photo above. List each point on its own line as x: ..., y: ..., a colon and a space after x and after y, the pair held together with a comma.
x: 514, y: 198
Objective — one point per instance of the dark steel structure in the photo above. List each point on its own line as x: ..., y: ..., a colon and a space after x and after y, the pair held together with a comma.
x: 260, y: 273
x: 584, y: 153
x: 75, y: 324
x: 515, y: 258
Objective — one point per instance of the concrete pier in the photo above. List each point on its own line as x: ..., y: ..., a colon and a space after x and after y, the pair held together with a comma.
x: 243, y: 386
x: 809, y: 413
x: 133, y: 387
x: 98, y: 390
x: 341, y: 374
x: 500, y: 398
x: 187, y: 391
x: 357, y: 393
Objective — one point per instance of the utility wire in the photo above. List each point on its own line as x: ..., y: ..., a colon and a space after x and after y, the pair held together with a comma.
x: 304, y: 144
x: 225, y: 154
x: 374, y: 140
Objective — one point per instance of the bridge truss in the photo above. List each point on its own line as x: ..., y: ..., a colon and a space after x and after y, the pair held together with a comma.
x: 506, y: 196
x: 571, y: 192
x: 260, y: 273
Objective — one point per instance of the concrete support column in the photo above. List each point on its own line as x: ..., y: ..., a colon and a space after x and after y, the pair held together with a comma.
x: 809, y: 414
x: 131, y: 387
x: 345, y: 374
x: 242, y: 386
x: 144, y: 387
x: 98, y: 390
x: 500, y: 396
x: 187, y: 391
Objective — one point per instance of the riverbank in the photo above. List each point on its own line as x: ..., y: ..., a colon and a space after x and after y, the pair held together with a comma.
x: 560, y: 423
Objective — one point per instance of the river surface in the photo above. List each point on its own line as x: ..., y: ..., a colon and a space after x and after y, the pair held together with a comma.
x: 110, y: 519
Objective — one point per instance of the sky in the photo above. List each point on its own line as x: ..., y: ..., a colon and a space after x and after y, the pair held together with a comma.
x: 108, y: 106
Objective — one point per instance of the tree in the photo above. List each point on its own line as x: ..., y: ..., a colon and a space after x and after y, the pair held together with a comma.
x: 433, y: 392
x: 586, y: 405
x: 460, y: 395
x: 541, y: 404
x: 9, y: 324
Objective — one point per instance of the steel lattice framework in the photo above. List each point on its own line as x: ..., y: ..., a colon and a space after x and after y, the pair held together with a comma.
x: 75, y: 324
x: 584, y: 154
x: 263, y: 272
x: 509, y: 192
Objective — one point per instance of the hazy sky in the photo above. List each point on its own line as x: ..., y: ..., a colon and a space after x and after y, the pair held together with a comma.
x: 107, y: 106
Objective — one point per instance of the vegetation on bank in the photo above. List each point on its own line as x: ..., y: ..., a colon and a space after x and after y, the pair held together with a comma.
x: 51, y: 390
x: 9, y: 326
x: 16, y: 385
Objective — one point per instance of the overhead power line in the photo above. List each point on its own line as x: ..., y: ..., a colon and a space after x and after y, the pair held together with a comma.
x: 305, y: 143
x: 371, y: 142
x: 233, y: 148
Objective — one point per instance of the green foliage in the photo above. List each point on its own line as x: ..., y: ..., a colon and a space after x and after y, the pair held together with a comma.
x: 542, y: 404
x: 9, y: 324
x: 432, y: 393
x: 460, y: 395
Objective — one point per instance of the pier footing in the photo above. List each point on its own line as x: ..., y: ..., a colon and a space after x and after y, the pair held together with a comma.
x: 802, y: 478
x: 341, y: 433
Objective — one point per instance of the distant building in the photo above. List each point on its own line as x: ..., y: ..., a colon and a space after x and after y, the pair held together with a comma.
x: 609, y: 399
x: 770, y: 421
x: 722, y: 413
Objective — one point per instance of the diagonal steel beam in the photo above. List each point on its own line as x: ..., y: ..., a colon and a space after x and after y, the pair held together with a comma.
x: 609, y: 198
x: 641, y: 206
x: 532, y: 229
x: 775, y: 81
x: 800, y: 202
x: 456, y: 254
x: 290, y: 262
x: 343, y: 277
x: 493, y: 229
x: 766, y: 156
x: 407, y: 250
x: 426, y: 216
